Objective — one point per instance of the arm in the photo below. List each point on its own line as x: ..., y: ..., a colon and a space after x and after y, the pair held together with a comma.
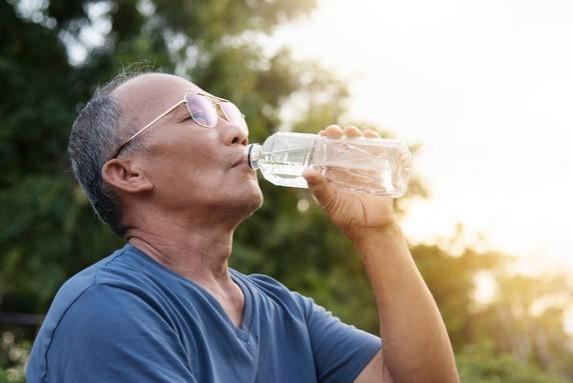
x: 416, y: 344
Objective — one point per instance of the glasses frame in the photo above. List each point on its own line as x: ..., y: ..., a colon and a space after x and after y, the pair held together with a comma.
x: 217, y: 101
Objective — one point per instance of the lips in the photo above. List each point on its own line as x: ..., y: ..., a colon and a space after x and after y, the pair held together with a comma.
x: 241, y: 161
x: 242, y: 158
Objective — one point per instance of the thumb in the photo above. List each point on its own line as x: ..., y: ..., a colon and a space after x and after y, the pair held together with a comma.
x: 318, y: 185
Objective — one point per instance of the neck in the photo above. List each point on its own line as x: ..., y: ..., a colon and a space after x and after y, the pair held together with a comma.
x: 198, y: 252
x: 197, y: 249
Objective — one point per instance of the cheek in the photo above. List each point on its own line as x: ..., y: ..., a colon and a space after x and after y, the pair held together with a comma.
x: 189, y: 165
x: 211, y: 134
x: 202, y: 171
x: 188, y: 168
x: 194, y: 149
x: 187, y: 184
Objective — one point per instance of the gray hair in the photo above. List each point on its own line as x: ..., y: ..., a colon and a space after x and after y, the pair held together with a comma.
x: 97, y: 132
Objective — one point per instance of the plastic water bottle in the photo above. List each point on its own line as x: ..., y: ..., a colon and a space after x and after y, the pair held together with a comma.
x: 373, y: 165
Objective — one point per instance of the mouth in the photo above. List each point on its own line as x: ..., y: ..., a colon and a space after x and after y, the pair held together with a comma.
x: 242, y: 161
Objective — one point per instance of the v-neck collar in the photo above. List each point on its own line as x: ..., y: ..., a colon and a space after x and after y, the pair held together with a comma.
x: 243, y: 332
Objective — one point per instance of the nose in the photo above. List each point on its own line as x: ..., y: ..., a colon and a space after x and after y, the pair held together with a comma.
x: 234, y: 134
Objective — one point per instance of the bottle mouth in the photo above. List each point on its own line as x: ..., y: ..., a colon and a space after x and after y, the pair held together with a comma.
x: 253, y: 152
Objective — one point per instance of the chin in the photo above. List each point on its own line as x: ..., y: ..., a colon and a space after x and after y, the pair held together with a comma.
x: 245, y: 202
x: 255, y: 200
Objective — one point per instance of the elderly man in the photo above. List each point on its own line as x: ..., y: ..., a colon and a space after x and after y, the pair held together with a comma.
x: 163, y: 163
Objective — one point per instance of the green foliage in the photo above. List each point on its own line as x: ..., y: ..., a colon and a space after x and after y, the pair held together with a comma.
x: 451, y: 281
x: 481, y: 364
x: 517, y: 334
x: 526, y: 320
x: 49, y: 231
x: 13, y: 354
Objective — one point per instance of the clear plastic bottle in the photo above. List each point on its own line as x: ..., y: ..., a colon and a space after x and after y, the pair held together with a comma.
x: 373, y: 165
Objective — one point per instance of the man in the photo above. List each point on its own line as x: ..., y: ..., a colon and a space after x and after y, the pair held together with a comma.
x: 163, y: 163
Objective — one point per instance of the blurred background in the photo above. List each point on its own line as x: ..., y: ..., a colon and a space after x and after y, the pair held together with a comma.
x: 480, y: 91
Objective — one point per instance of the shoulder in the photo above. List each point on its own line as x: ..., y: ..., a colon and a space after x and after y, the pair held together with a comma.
x: 105, y: 273
x: 117, y: 273
x: 110, y: 332
x: 112, y: 291
x: 73, y: 289
x: 100, y: 299
x: 106, y: 308
x: 108, y: 322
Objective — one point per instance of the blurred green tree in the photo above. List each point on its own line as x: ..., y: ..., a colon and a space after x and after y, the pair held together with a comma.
x: 481, y: 363
x: 49, y: 68
x: 526, y: 319
x: 13, y: 355
x: 452, y: 281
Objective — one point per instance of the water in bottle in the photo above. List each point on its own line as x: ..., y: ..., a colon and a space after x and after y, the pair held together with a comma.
x: 373, y: 165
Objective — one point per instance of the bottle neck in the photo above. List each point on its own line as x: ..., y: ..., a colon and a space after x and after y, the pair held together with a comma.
x: 253, y: 153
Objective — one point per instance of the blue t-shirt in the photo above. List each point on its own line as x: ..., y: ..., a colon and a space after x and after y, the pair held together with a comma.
x: 127, y: 318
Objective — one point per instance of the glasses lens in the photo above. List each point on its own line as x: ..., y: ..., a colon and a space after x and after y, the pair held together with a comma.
x: 202, y: 110
x: 233, y: 114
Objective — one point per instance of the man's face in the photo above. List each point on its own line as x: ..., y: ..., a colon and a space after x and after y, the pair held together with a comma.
x: 190, y: 166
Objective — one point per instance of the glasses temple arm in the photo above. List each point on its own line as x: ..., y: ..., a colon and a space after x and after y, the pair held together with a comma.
x: 154, y: 121
x: 147, y: 127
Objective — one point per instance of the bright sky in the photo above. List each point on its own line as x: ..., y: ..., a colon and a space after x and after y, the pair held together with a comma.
x: 487, y: 88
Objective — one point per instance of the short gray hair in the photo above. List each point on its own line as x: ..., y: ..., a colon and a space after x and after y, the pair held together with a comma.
x: 96, y: 133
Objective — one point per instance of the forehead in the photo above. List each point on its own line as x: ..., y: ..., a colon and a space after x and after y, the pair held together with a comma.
x: 149, y: 94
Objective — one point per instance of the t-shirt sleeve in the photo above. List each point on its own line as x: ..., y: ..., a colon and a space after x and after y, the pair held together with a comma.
x: 113, y: 335
x: 341, y: 351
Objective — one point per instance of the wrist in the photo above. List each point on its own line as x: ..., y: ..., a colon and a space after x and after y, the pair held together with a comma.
x: 365, y: 235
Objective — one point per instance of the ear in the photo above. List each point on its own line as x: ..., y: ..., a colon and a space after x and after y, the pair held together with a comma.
x: 123, y: 174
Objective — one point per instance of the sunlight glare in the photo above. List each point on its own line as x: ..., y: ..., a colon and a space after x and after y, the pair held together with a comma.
x: 486, y: 88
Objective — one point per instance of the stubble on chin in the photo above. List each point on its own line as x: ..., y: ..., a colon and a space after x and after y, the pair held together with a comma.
x: 254, y: 203
x: 245, y: 205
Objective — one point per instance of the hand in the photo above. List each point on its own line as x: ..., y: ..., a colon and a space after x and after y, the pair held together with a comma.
x: 356, y: 214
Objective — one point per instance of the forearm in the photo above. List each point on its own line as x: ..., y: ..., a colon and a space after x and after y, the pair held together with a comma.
x: 416, y: 346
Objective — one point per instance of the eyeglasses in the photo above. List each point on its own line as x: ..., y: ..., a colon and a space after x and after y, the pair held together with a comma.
x: 204, y: 109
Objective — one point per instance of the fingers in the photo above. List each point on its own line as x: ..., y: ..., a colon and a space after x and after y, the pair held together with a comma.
x: 350, y: 131
x: 371, y: 133
x: 318, y: 185
x: 333, y: 131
